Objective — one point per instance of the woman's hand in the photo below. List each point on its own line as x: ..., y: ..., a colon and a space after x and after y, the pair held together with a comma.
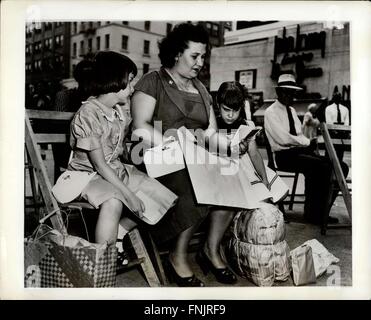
x: 135, y: 204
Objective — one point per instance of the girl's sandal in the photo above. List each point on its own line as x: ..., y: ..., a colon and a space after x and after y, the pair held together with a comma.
x: 122, y: 258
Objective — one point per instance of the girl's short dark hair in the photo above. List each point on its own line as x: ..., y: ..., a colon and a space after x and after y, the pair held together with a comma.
x: 231, y: 94
x: 177, y: 41
x: 111, y: 72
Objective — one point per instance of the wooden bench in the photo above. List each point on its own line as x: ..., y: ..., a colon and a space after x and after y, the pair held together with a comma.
x: 50, y: 127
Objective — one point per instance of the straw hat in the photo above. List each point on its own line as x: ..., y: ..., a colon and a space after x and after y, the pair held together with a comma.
x: 287, y: 80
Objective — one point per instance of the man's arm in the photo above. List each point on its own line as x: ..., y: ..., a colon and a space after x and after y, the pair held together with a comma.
x: 280, y: 135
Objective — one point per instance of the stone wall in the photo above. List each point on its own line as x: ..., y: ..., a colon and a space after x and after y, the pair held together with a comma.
x: 258, y: 55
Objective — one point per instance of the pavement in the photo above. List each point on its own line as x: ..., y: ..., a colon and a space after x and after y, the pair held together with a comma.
x: 336, y: 241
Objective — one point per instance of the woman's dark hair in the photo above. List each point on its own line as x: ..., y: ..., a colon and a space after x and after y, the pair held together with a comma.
x: 232, y: 95
x: 177, y: 41
x: 111, y: 71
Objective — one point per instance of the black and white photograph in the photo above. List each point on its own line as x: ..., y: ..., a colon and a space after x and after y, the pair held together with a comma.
x: 179, y: 152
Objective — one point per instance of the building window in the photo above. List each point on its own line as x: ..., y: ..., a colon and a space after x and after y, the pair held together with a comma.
x: 98, y: 43
x: 124, y: 42
x: 48, y: 44
x: 208, y: 27
x: 146, y: 47
x: 82, y: 49
x: 145, y: 68
x: 169, y: 26
x: 74, y: 49
x: 59, y: 41
x: 108, y: 22
x: 106, y: 41
x: 125, y: 23
x: 215, y: 30
x: 147, y: 25
x: 228, y: 26
x: 75, y: 27
x: 99, y: 23
x: 47, y: 26
x: 90, y: 45
x: 37, y: 47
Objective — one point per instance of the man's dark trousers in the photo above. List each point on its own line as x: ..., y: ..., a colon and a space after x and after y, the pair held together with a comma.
x: 317, y: 171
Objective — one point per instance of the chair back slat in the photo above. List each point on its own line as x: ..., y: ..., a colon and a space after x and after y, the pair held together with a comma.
x: 49, y: 115
x: 51, y: 138
x: 42, y: 176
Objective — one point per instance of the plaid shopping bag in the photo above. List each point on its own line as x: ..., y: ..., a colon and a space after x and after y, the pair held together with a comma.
x: 66, y: 261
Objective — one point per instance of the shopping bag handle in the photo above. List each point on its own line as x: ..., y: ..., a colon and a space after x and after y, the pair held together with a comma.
x: 42, y: 220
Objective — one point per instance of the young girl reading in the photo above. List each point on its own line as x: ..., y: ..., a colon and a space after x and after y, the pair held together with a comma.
x: 230, y: 99
x: 98, y: 130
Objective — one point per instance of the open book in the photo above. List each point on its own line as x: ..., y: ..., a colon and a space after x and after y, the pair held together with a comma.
x: 244, y: 133
x: 226, y: 181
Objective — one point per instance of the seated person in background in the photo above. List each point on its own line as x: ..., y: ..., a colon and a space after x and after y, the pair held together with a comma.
x: 336, y: 113
x: 69, y: 100
x: 310, y: 122
x: 41, y: 98
x: 294, y: 152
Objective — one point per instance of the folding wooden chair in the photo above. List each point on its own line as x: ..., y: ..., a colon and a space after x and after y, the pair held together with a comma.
x: 45, y: 122
x: 283, y: 174
x: 342, y: 182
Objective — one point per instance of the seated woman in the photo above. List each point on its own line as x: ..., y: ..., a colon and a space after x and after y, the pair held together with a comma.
x: 174, y: 96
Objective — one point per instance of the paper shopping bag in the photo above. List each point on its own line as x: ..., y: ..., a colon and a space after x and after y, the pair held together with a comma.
x: 70, y: 185
x: 302, y: 265
x: 65, y: 261
x: 164, y: 159
x: 218, y: 180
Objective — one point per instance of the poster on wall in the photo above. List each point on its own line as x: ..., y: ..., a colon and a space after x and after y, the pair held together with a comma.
x: 247, y: 78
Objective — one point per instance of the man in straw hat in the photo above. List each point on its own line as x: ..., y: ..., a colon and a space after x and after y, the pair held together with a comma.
x: 294, y: 152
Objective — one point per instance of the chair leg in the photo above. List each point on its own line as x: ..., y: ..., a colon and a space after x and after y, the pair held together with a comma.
x: 141, y: 252
x: 329, y: 206
x: 293, y: 191
x: 158, y: 261
x: 282, y: 209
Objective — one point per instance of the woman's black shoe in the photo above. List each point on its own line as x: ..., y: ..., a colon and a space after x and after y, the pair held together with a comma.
x: 192, y: 281
x: 223, y: 275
